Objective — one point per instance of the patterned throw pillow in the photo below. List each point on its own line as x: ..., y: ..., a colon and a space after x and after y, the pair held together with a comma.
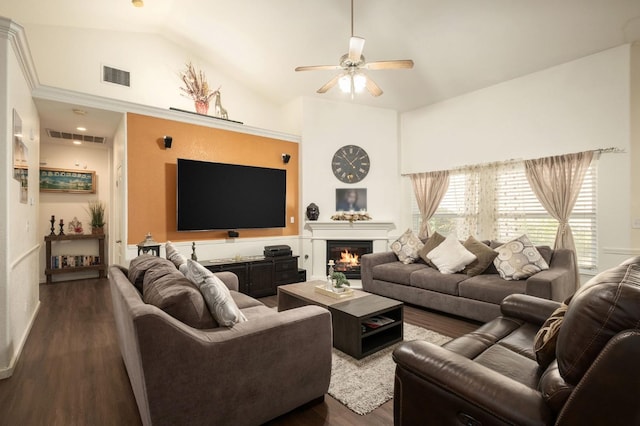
x: 451, y: 256
x: 407, y: 246
x: 484, y: 256
x: 544, y: 343
x: 519, y: 259
x: 216, y: 295
x: 174, y: 256
x: 432, y: 242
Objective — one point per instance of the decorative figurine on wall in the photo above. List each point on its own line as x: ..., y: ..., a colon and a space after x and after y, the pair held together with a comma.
x: 219, y: 111
x: 193, y: 250
x: 313, y: 212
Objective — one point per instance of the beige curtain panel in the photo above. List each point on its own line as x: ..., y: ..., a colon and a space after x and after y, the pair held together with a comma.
x: 556, y: 182
x: 429, y: 189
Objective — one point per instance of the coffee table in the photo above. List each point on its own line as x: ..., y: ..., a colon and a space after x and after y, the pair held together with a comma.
x: 349, y: 317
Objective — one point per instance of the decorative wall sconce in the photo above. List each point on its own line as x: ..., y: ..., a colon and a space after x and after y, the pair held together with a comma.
x: 167, y: 141
x: 286, y: 158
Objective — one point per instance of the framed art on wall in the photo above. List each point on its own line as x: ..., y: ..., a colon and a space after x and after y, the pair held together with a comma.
x: 351, y: 199
x: 69, y: 181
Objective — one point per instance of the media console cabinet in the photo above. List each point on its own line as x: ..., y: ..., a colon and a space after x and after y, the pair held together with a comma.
x: 258, y: 276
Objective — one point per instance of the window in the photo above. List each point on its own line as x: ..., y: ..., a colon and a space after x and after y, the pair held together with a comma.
x: 515, y: 210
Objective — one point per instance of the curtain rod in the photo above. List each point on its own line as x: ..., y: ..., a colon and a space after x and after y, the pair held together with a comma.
x: 610, y: 150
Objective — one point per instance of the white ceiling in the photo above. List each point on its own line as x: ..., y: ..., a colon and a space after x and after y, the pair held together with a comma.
x: 458, y: 46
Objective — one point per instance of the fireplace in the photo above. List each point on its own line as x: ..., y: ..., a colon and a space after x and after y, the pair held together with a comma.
x: 346, y: 255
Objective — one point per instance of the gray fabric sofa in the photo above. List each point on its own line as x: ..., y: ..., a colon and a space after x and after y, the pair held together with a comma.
x: 477, y: 298
x: 243, y: 375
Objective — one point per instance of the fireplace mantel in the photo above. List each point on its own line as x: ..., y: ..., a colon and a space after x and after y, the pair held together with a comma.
x: 376, y: 231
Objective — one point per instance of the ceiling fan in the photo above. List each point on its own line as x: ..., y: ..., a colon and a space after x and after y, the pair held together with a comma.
x: 352, y: 79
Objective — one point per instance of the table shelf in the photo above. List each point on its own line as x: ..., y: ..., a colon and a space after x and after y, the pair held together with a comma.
x: 101, y: 267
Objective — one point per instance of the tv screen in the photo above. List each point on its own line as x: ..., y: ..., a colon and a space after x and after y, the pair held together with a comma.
x: 214, y: 196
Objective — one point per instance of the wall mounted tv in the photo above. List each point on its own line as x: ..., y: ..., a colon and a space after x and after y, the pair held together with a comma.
x: 217, y: 196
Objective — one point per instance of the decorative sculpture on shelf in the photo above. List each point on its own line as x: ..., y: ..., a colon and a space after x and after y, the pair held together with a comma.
x: 193, y: 250
x: 61, y: 227
x: 313, y: 211
x: 75, y: 226
x: 197, y: 88
x: 53, y: 228
x: 218, y: 110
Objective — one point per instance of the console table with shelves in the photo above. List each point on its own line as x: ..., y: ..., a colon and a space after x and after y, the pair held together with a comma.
x: 100, y: 267
x: 258, y: 276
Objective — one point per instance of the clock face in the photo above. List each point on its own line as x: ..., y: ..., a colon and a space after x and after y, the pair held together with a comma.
x: 350, y: 164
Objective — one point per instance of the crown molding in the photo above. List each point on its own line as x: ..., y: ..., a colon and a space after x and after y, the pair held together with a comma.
x: 15, y: 34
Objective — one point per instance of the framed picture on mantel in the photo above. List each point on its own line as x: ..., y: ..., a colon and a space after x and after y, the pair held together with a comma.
x: 68, y: 181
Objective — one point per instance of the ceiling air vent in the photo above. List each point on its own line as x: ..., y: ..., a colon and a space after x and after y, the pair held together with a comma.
x: 116, y: 76
x: 56, y: 134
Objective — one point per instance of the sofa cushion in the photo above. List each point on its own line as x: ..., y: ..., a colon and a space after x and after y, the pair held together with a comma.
x: 140, y: 265
x: 257, y: 313
x: 396, y: 272
x: 554, y: 389
x: 544, y: 343
x: 484, y: 256
x: 216, y: 295
x: 430, y: 279
x: 243, y: 301
x: 490, y: 288
x: 432, y: 242
x: 175, y: 256
x: 451, y: 256
x: 519, y: 259
x: 605, y: 306
x: 406, y: 247
x: 520, y: 368
x: 166, y: 288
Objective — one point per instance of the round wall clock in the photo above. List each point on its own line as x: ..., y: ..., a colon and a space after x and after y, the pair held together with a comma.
x: 350, y: 164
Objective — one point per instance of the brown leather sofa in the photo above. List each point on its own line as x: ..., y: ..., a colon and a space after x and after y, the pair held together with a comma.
x: 492, y: 377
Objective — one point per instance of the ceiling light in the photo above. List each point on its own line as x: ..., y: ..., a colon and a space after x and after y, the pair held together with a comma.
x: 77, y: 143
x: 359, y: 82
x: 79, y: 111
x: 137, y: 3
x: 345, y: 83
x: 81, y: 129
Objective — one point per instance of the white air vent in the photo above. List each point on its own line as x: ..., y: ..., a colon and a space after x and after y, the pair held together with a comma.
x: 116, y: 76
x: 56, y: 134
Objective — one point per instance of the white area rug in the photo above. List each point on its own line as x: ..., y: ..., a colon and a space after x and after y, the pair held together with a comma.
x: 366, y: 384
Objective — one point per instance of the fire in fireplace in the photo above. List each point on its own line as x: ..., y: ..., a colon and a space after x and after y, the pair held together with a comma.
x: 346, y: 256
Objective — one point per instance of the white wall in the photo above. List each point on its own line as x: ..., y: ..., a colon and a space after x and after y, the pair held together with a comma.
x: 154, y: 63
x: 577, y: 106
x: 19, y: 237
x: 328, y: 125
x: 67, y: 206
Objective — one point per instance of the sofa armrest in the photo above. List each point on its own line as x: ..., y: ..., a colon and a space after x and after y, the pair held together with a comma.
x: 528, y: 308
x: 441, y: 387
x: 229, y: 279
x: 559, y: 281
x: 216, y: 374
x: 368, y: 261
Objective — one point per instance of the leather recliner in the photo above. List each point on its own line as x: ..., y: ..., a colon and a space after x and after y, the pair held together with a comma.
x: 492, y: 377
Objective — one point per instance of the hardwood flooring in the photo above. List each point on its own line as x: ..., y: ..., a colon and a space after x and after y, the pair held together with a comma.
x: 71, y: 372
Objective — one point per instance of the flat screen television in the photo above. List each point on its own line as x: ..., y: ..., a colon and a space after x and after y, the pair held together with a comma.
x: 217, y: 196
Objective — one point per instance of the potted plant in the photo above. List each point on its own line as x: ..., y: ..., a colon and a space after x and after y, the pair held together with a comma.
x: 96, y: 215
x: 341, y: 281
x: 197, y: 88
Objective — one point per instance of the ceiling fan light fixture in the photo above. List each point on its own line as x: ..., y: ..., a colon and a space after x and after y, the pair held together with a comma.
x: 137, y: 3
x: 344, y: 83
x: 359, y: 82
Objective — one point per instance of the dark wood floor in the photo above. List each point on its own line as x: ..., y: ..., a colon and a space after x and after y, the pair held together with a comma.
x: 71, y: 373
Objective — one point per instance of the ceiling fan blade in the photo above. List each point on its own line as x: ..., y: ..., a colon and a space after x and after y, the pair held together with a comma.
x: 389, y: 65
x: 372, y: 87
x: 356, y: 44
x: 329, y: 84
x: 318, y: 67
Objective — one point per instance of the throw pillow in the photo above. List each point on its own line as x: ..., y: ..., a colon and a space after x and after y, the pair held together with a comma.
x: 519, y: 259
x: 484, y: 256
x: 432, y: 242
x: 451, y: 256
x: 545, y: 341
x: 169, y: 290
x: 407, y: 246
x: 139, y: 266
x: 174, y: 256
x: 216, y: 294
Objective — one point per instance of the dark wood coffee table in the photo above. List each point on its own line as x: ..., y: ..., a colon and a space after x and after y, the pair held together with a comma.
x: 348, y: 316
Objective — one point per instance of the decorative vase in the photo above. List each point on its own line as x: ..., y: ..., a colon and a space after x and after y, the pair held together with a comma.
x: 97, y: 230
x: 202, y: 107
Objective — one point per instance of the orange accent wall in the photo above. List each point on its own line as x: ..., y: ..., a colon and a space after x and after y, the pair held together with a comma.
x: 152, y: 173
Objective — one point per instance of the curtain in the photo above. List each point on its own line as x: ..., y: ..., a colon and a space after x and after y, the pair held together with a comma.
x: 556, y: 182
x: 429, y: 189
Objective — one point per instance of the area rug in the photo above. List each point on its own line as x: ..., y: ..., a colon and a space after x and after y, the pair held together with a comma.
x: 364, y: 385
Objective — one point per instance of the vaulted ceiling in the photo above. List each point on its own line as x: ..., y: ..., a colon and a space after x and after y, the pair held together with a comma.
x: 458, y: 46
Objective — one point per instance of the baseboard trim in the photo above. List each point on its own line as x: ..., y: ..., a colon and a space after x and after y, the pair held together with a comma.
x: 8, y: 371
